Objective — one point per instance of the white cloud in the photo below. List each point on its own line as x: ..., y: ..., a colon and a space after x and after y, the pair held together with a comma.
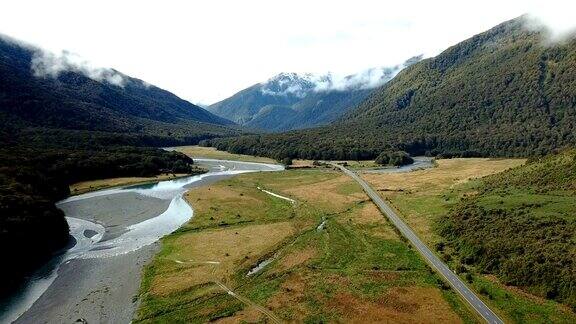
x: 207, y: 50
x: 366, y: 79
x: 48, y: 64
x: 301, y: 85
x: 558, y: 25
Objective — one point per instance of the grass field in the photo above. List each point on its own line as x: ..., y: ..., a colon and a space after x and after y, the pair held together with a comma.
x: 93, y: 185
x: 331, y: 256
x: 422, y: 197
x: 195, y: 151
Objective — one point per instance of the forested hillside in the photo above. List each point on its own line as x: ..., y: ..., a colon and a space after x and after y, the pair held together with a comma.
x: 72, y: 100
x: 59, y: 129
x: 505, y: 92
x: 521, y: 226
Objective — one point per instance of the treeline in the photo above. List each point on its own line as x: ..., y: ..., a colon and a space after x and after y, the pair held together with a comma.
x: 521, y: 227
x: 33, y: 179
x: 320, y: 144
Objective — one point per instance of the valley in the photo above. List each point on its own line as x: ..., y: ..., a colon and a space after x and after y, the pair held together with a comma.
x: 212, y: 153
x: 290, y: 101
x: 93, y: 185
x: 437, y: 190
x: 316, y: 241
x: 501, y: 93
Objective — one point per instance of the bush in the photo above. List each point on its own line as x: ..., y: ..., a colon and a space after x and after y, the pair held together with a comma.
x: 397, y: 158
x: 527, y: 243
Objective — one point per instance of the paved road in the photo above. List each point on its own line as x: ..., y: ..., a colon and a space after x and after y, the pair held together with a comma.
x: 454, y: 281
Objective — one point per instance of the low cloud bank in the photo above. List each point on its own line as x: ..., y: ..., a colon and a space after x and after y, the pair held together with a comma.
x: 47, y: 64
x: 300, y: 85
x: 367, y: 79
x: 555, y: 18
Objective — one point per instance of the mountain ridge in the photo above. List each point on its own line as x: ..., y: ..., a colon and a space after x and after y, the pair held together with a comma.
x: 503, y: 92
x: 308, y: 99
x: 72, y: 100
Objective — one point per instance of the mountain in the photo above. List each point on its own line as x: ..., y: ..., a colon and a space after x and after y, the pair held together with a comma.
x: 34, y: 97
x: 283, y: 90
x: 62, y: 122
x: 506, y: 92
x: 294, y: 101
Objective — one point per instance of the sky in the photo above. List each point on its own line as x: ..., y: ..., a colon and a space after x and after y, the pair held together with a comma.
x: 205, y: 51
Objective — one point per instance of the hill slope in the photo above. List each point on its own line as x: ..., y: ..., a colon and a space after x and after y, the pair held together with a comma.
x: 520, y: 226
x: 57, y: 129
x: 283, y: 90
x: 502, y: 92
x: 301, y: 101
x: 74, y: 100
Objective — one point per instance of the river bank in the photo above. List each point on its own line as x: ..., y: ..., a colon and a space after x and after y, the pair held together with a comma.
x: 95, y: 185
x: 115, y: 232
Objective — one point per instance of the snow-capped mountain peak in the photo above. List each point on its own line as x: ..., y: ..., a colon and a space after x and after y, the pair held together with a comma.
x: 300, y: 85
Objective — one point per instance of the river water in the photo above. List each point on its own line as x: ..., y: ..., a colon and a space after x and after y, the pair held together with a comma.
x: 107, y: 225
x: 420, y: 163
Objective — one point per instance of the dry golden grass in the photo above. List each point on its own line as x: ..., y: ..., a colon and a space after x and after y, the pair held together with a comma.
x: 205, y: 197
x: 292, y: 284
x: 417, y: 195
x: 222, y: 204
x: 292, y: 292
x: 399, y: 305
x: 87, y: 186
x: 368, y: 214
x: 230, y: 247
x: 412, y: 304
x: 448, y: 173
x: 328, y: 193
x: 212, y: 153
x: 302, y: 164
x: 372, y: 219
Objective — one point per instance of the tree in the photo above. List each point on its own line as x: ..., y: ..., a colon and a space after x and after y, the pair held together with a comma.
x: 287, y: 161
x: 397, y: 158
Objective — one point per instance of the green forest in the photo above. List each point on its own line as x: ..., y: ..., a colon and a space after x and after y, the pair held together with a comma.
x: 500, y: 93
x: 521, y: 226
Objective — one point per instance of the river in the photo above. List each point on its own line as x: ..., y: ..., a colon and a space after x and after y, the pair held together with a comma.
x: 420, y: 163
x: 115, y: 232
